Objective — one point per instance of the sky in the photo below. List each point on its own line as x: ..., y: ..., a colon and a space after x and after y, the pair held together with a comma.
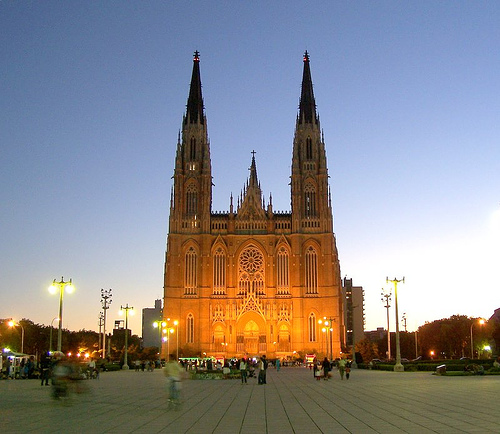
x: 91, y: 101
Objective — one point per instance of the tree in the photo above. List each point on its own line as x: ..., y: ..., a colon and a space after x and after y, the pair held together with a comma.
x: 367, y: 349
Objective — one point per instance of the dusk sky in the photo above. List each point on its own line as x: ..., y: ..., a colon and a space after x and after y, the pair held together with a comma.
x: 92, y: 95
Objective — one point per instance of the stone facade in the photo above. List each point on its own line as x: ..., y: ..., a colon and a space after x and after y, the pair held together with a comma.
x: 252, y: 281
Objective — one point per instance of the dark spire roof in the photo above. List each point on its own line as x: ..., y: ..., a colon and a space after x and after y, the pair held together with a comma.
x: 194, y: 112
x: 253, y: 181
x: 307, y: 105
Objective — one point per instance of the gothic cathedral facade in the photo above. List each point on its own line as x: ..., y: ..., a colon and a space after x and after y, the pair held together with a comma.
x: 252, y: 281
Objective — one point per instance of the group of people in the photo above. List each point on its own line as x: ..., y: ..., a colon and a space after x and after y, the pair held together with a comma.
x: 323, y: 369
x: 247, y: 369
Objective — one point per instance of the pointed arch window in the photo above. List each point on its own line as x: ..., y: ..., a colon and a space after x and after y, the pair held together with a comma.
x: 312, y: 325
x: 190, y: 329
x: 192, y: 149
x: 309, y: 201
x: 283, y: 273
x: 311, y: 271
x: 191, y: 200
x: 219, y: 282
x: 191, y: 272
x: 309, y: 149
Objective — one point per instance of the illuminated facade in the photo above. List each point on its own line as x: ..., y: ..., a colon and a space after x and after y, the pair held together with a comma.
x: 252, y: 281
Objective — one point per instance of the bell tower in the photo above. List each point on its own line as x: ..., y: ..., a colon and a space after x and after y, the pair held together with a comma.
x: 191, y: 199
x: 311, y: 205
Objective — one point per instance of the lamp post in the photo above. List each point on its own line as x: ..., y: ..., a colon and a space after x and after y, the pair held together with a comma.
x: 12, y: 323
x: 328, y: 322
x: 176, y: 324
x: 481, y: 322
x: 106, y: 295
x: 398, y: 367
x: 51, y: 328
x: 100, y: 319
x: 126, y: 309
x: 62, y: 286
x: 387, y: 296
x: 159, y: 325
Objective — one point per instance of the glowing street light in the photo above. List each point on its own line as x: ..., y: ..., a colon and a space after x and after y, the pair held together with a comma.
x: 328, y: 323
x: 12, y: 323
x: 480, y: 322
x: 176, y: 324
x: 160, y: 325
x: 62, y: 286
x: 126, y: 308
x: 398, y: 367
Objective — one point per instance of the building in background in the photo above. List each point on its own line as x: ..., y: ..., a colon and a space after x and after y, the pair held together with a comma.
x: 151, y: 336
x: 250, y: 280
x: 354, y: 311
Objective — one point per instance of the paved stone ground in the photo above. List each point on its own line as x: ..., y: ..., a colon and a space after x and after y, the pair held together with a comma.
x: 291, y: 402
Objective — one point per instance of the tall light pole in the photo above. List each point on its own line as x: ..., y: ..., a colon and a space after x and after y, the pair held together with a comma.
x: 106, y: 295
x: 62, y: 286
x: 100, y: 319
x: 328, y: 323
x: 12, y: 323
x: 480, y: 322
x: 160, y: 325
x: 126, y: 309
x: 398, y: 367
x: 51, y: 328
x: 387, y: 296
x: 176, y: 324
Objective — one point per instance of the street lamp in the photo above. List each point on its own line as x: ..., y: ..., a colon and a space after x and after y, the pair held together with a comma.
x: 126, y: 309
x: 387, y: 296
x: 480, y: 322
x: 398, y: 367
x: 15, y: 324
x: 62, y: 286
x: 159, y: 325
x: 105, y: 302
x: 51, y: 328
x: 176, y: 324
x: 328, y: 322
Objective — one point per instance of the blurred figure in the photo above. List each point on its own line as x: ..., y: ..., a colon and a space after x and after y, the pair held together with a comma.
x: 326, y: 368
x: 341, y: 365
x: 173, y: 371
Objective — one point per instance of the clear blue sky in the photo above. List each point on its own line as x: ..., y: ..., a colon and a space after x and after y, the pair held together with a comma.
x: 91, y: 100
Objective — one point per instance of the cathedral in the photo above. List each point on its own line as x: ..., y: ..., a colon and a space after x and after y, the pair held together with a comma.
x: 251, y: 280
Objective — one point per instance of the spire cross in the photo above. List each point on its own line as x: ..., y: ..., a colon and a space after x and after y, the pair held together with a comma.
x: 196, y: 56
x: 253, y: 154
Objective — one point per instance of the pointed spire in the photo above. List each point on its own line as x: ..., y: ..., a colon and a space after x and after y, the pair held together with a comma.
x: 194, y: 112
x: 253, y: 182
x: 307, y: 105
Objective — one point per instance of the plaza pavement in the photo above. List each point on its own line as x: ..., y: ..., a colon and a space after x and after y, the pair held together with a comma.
x: 292, y: 401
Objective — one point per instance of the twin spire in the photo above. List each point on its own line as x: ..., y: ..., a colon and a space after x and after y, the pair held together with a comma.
x: 195, y: 109
x: 194, y: 112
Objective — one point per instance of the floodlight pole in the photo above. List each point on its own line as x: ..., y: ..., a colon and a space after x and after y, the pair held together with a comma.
x: 398, y: 367
x: 387, y: 295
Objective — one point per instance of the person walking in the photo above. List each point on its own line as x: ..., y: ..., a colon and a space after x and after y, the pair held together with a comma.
x: 347, y: 370
x: 173, y: 371
x: 342, y: 364
x: 243, y: 370
x: 326, y: 368
x: 278, y: 364
x: 262, y: 370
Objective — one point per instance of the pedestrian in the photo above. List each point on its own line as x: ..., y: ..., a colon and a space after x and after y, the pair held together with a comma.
x: 347, y: 370
x: 243, y: 370
x: 278, y: 365
x: 262, y: 370
x: 326, y: 368
x: 45, y: 368
x: 173, y: 371
x: 342, y: 364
